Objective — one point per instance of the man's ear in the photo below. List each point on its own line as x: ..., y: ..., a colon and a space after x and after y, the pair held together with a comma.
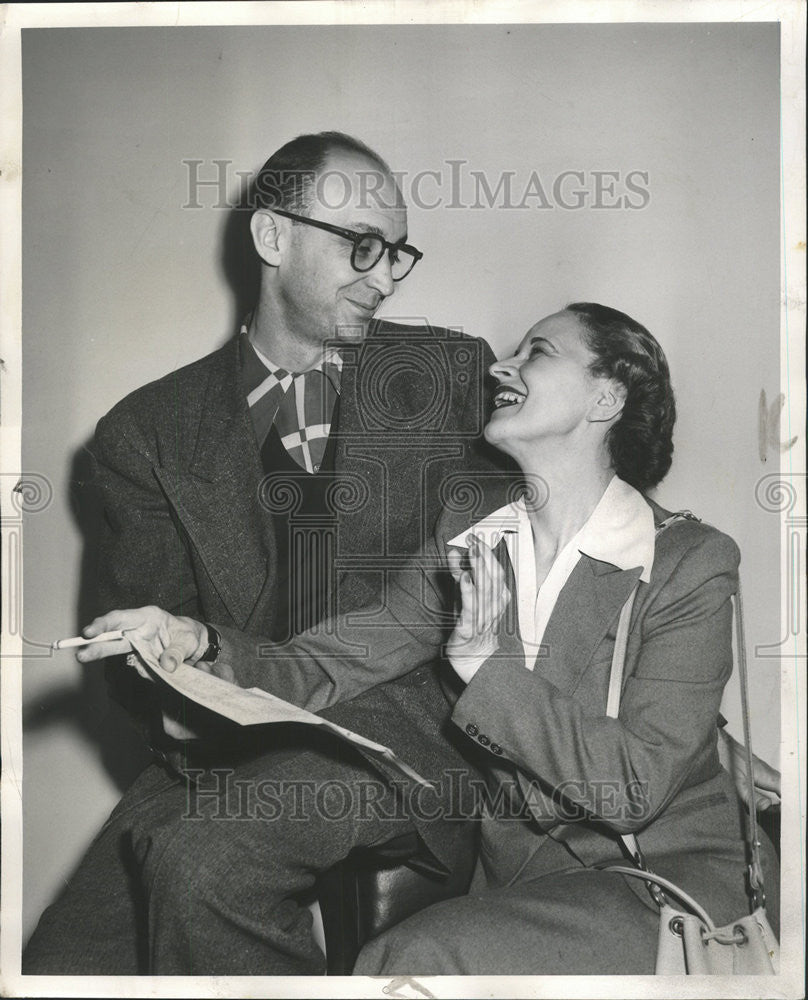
x: 609, y: 401
x: 266, y: 233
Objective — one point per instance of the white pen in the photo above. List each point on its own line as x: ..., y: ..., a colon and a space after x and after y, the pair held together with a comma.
x: 80, y: 640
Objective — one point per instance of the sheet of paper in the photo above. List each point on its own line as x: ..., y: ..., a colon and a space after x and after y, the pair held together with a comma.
x: 254, y: 706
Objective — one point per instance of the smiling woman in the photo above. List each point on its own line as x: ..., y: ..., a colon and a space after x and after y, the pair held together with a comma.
x: 586, y: 404
x: 579, y: 368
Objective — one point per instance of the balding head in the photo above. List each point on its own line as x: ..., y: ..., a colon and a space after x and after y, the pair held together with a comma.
x: 301, y: 175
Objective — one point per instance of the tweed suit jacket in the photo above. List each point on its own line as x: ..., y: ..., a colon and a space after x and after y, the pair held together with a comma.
x: 186, y: 501
x: 185, y: 497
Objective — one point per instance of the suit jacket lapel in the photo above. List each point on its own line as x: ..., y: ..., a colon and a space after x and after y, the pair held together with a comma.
x: 217, y: 498
x: 588, y: 604
x: 380, y: 444
x: 587, y: 607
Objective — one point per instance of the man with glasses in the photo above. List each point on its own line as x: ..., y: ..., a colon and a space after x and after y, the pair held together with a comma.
x: 266, y: 488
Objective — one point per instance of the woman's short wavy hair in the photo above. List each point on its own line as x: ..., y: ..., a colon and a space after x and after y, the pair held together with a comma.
x: 640, y: 442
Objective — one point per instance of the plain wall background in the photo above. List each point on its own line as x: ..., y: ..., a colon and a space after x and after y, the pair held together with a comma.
x: 122, y: 284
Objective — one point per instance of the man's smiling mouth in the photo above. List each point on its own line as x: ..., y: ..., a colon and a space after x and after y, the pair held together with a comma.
x: 364, y: 306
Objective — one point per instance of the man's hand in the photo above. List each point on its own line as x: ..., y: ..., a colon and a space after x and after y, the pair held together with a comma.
x: 765, y: 778
x: 484, y: 599
x: 169, y: 639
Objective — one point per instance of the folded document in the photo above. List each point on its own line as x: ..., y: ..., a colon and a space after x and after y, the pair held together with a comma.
x: 255, y: 707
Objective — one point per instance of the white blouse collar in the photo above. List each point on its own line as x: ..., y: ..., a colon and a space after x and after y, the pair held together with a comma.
x: 620, y: 530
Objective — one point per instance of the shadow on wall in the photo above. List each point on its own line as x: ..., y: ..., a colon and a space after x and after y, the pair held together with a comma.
x: 240, y: 263
x: 89, y: 707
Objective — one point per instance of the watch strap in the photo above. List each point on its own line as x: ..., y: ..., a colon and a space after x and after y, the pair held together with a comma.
x: 214, y: 647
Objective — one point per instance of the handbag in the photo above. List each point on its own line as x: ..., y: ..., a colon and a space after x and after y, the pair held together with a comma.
x: 689, y: 943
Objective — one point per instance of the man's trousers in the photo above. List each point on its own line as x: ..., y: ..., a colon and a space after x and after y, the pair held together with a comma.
x: 204, y: 877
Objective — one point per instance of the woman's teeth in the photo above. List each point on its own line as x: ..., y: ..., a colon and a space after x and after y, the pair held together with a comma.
x: 505, y: 397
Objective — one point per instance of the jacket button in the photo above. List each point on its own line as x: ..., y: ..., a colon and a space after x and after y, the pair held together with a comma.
x: 483, y: 740
x: 496, y: 748
x: 471, y: 729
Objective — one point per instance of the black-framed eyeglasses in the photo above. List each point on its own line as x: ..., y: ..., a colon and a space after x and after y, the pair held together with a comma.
x: 368, y: 248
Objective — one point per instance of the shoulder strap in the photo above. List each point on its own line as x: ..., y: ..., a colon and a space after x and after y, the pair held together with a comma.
x: 621, y: 639
x: 679, y: 515
x: 613, y: 707
x: 618, y: 668
x: 755, y: 868
x: 619, y: 657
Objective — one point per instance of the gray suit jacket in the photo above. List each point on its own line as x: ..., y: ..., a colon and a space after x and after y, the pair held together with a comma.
x: 586, y: 778
x: 578, y: 778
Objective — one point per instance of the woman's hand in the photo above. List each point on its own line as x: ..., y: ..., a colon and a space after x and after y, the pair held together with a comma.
x: 169, y: 639
x: 484, y: 598
x: 765, y: 778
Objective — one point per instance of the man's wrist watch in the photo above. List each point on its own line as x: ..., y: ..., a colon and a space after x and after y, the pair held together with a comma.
x: 214, y: 647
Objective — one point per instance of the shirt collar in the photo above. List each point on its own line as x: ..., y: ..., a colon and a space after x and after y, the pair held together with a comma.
x: 257, y: 365
x: 493, y: 526
x: 620, y: 530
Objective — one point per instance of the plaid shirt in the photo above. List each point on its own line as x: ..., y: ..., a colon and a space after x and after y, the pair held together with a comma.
x: 299, y: 405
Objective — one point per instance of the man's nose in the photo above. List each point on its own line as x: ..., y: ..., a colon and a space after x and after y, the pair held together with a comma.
x: 380, y: 276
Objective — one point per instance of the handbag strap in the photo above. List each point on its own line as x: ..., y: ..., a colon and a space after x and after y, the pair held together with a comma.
x: 629, y: 840
x: 613, y: 708
x: 616, y: 686
x: 658, y: 880
x: 755, y: 869
x: 621, y: 639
